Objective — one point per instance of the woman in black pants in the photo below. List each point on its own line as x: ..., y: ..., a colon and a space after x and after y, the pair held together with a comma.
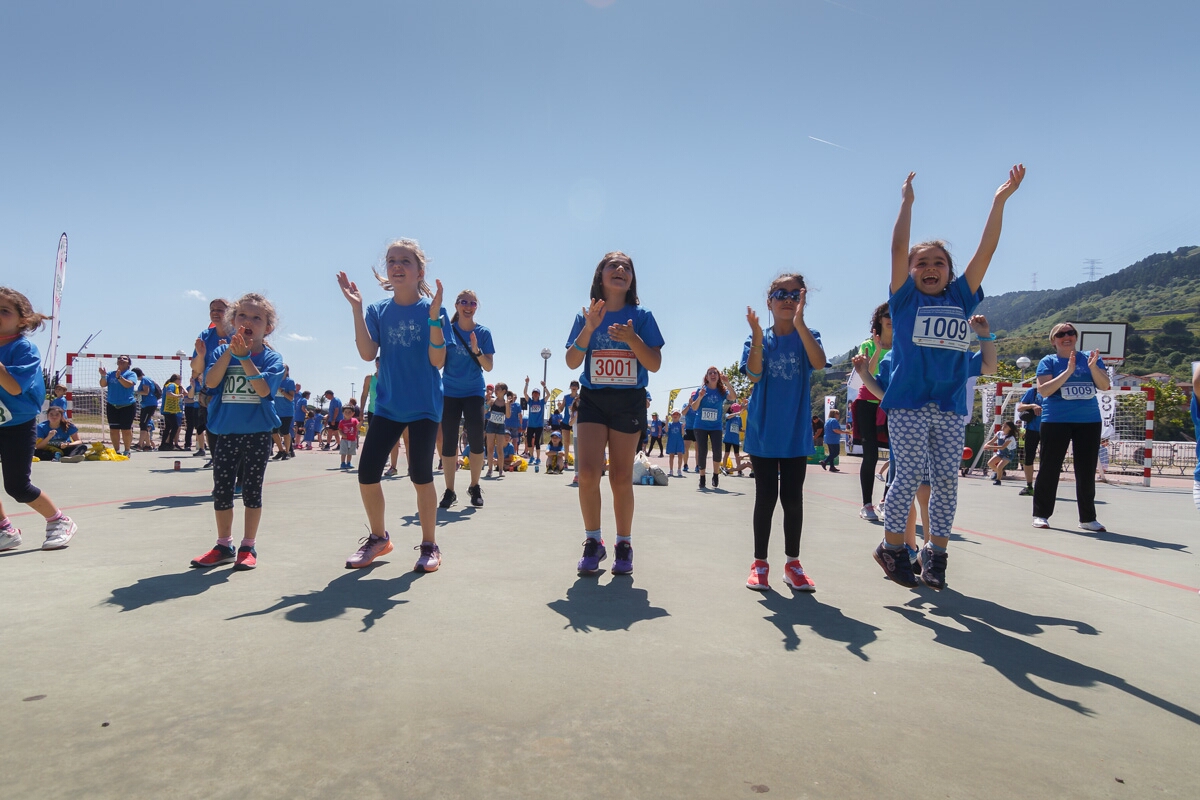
x: 1068, y: 380
x: 865, y: 408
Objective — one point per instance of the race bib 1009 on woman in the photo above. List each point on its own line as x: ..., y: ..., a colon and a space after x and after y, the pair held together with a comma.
x: 944, y: 327
x: 613, y: 368
x: 237, y: 388
x: 1078, y: 391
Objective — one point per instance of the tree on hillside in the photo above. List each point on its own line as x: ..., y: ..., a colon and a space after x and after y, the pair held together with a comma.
x: 1172, y: 417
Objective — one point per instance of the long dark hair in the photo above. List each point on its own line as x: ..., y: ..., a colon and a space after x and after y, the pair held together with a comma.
x: 877, y: 316
x: 631, y: 295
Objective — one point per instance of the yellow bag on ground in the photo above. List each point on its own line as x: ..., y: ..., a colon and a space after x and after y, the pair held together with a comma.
x: 521, y: 465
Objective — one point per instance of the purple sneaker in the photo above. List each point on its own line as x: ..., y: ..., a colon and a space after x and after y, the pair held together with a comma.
x: 623, y: 560
x: 371, y: 548
x: 593, y: 554
x: 896, y: 565
x: 430, y: 558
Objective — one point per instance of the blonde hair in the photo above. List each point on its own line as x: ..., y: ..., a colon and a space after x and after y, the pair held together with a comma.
x: 1062, y: 325
x: 30, y: 320
x: 464, y: 293
x: 411, y: 246
x: 253, y: 298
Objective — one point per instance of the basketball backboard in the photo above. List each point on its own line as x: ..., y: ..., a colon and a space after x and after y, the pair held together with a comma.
x: 1107, y: 337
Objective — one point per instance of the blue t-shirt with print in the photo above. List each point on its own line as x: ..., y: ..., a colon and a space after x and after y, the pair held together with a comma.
x: 1076, y: 400
x: 656, y: 428
x: 711, y: 414
x: 613, y: 362
x: 285, y: 407
x: 733, y: 429
x: 61, y: 437
x: 1032, y: 397
x: 675, y: 437
x: 537, y: 411
x: 235, y: 406
x: 931, y: 343
x: 24, y: 364
x: 117, y: 393
x: 409, y: 387
x: 779, y: 412
x: 462, y: 377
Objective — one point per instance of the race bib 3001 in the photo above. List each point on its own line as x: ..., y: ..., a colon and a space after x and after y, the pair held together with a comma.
x: 613, y: 368
x: 943, y: 327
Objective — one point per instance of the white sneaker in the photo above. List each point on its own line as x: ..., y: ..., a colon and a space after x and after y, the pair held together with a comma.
x: 868, y: 513
x: 58, y: 533
x: 1040, y: 522
x: 1093, y: 526
x: 10, y: 538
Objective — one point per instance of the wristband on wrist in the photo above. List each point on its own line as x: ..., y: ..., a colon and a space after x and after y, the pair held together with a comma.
x: 435, y: 323
x: 577, y: 347
x: 240, y: 358
x: 753, y: 374
x: 991, y: 337
x: 437, y: 346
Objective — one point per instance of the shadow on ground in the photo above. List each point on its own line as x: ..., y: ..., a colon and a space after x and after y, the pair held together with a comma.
x: 613, y: 606
x: 172, y: 586
x: 354, y: 589
x: 1015, y: 658
x: 802, y: 609
x: 170, y: 501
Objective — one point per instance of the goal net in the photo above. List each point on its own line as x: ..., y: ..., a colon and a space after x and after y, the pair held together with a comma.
x: 86, y: 397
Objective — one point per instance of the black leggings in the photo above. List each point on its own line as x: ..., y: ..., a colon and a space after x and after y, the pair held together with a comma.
x: 866, y: 427
x: 189, y: 418
x: 16, y: 460
x: 470, y: 411
x: 703, y: 440
x: 730, y: 447
x: 779, y: 479
x: 655, y: 440
x: 1084, y: 438
x: 382, y: 437
x: 240, y: 457
x: 170, y: 430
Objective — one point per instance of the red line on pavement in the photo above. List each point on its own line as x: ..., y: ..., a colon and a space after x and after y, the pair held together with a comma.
x: 1037, y: 549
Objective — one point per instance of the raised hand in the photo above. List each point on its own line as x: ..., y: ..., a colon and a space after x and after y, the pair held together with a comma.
x: 435, y: 307
x: 593, y: 315
x: 622, y: 332
x: 1071, y: 362
x: 1093, y: 357
x: 238, y: 345
x: 1015, y: 176
x: 474, y: 342
x: 755, y: 326
x: 349, y: 291
x: 906, y: 192
x: 860, y: 363
x: 798, y: 317
x: 980, y: 325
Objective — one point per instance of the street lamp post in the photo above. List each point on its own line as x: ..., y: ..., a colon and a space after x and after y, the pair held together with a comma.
x: 545, y: 362
x: 1023, y: 364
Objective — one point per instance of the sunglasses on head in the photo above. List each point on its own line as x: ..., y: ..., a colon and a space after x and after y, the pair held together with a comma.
x: 468, y: 303
x: 1064, y: 334
x: 780, y: 294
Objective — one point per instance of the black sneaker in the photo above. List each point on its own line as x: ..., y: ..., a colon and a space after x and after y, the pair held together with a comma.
x: 703, y: 485
x: 449, y: 498
x: 716, y: 478
x: 207, y: 464
x: 895, y: 565
x: 933, y: 568
x: 476, y: 495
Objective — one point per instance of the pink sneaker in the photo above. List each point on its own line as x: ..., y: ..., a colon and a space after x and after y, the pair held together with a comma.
x: 795, y: 577
x: 758, y: 577
x: 431, y: 557
x: 371, y: 548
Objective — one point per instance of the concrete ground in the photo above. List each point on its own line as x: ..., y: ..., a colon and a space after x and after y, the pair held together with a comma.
x: 1056, y: 663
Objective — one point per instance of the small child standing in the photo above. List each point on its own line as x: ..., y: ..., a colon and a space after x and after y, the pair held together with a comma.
x: 348, y: 427
x: 833, y: 440
x: 311, y: 426
x: 675, y: 445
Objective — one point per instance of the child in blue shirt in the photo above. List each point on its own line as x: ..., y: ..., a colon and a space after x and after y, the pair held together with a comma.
x: 58, y: 437
x: 556, y: 457
x: 833, y: 440
x: 926, y: 399
x: 312, y: 425
x: 733, y: 439
x: 675, y: 445
x: 21, y: 393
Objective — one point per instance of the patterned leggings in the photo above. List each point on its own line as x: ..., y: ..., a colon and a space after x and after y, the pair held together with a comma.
x: 244, y: 455
x: 918, y: 435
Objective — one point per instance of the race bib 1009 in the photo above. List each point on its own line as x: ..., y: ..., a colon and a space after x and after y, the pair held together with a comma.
x: 943, y: 327
x: 1078, y: 391
x: 237, y: 388
x: 613, y: 368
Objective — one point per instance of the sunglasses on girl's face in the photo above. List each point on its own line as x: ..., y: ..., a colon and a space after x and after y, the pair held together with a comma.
x: 1064, y: 334
x: 468, y: 303
x: 780, y: 294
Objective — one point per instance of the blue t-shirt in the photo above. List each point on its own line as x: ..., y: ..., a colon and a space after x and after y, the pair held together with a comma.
x: 235, y: 407
x: 462, y: 377
x: 832, y: 431
x: 212, y: 340
x: 408, y: 387
x: 117, y: 394
x: 689, y: 416
x: 24, y: 363
x: 61, y: 437
x: 779, y: 412
x: 59, y: 402
x: 568, y: 400
x: 675, y: 437
x: 614, y: 362
x: 554, y: 447
x: 509, y: 450
x: 930, y: 346
x: 311, y: 426
x: 711, y: 414
x: 333, y: 414
x: 299, y: 408
x: 556, y: 421
x: 514, y: 415
x: 147, y: 399
x: 656, y: 428
x: 537, y: 412
x: 1032, y: 397
x: 1075, y: 401
x: 285, y: 407
x: 733, y: 429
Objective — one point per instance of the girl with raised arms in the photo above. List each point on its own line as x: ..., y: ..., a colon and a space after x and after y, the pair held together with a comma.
x: 779, y: 434
x: 244, y: 377
x: 926, y: 398
x: 618, y: 344
x: 408, y: 333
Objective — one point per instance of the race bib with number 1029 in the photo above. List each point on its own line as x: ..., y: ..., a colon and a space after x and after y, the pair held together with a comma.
x: 943, y: 327
x: 237, y: 388
x: 613, y: 368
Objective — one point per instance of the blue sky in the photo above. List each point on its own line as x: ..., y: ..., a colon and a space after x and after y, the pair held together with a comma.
x: 217, y: 148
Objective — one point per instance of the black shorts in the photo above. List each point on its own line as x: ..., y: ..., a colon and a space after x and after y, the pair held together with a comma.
x: 689, y: 435
x: 1032, y: 438
x: 621, y: 410
x: 533, y: 437
x: 146, y: 414
x: 285, y: 426
x: 120, y: 417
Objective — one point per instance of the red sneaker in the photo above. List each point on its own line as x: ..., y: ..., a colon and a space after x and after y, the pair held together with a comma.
x: 758, y: 577
x: 247, y: 558
x: 220, y: 554
x: 795, y: 577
